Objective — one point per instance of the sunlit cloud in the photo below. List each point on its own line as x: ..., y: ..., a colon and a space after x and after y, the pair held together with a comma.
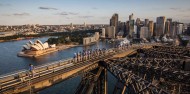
x: 21, y: 14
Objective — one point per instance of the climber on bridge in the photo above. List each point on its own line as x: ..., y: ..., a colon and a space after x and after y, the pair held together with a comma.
x: 75, y: 56
x: 31, y: 70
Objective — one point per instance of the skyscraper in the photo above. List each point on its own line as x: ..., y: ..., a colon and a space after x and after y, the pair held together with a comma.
x: 138, y: 21
x: 131, y: 17
x: 146, y: 22
x: 180, y: 28
x: 151, y: 28
x: 160, y: 25
x: 144, y: 33
x: 114, y: 21
x: 138, y: 24
x: 122, y: 26
x: 167, y: 28
x: 127, y: 28
x: 71, y: 25
x: 174, y: 29
x: 131, y: 25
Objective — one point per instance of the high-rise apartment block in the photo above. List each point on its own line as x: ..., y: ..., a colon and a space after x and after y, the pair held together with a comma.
x: 110, y: 31
x: 103, y: 33
x: 89, y: 40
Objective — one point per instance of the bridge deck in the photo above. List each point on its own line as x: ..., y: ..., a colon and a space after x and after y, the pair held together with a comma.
x: 49, y: 74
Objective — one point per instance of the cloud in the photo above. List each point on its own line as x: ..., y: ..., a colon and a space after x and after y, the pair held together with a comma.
x: 176, y: 9
x: 21, y: 14
x: 180, y: 9
x: 47, y: 8
x: 62, y: 13
x: 94, y: 8
x: 72, y: 13
x: 67, y: 13
x: 86, y: 16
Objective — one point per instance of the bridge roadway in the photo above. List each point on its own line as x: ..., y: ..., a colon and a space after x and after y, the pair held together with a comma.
x: 55, y: 72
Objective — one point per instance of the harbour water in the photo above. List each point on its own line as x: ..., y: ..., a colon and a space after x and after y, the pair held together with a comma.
x: 9, y: 62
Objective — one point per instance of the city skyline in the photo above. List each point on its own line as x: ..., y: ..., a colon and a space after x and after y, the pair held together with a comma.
x: 59, y: 12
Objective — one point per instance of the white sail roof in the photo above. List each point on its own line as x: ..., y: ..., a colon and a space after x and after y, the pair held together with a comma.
x: 38, y: 45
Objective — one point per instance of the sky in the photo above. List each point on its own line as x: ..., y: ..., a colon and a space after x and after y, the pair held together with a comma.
x: 60, y: 12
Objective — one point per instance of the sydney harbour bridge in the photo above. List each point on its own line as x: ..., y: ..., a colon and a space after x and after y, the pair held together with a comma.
x: 139, y: 69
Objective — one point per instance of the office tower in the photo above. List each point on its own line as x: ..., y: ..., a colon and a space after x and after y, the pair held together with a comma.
x: 139, y: 30
x: 138, y: 21
x: 160, y: 26
x: 103, y: 32
x: 71, y: 25
x: 151, y: 28
x: 138, y: 24
x: 168, y: 27
x: 146, y: 21
x: 131, y: 25
x: 154, y: 30
x: 110, y: 31
x: 127, y: 28
x: 122, y: 26
x: 144, y: 33
x: 174, y: 29
x: 131, y: 17
x: 180, y: 28
x: 135, y: 31
x: 114, y: 21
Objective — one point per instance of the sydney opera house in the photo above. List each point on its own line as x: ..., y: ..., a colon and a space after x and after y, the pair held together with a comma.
x: 37, y: 48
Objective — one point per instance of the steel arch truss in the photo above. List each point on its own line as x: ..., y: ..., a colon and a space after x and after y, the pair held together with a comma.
x: 162, y: 72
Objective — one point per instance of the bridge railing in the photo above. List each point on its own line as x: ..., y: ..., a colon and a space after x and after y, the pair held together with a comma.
x: 24, y: 75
